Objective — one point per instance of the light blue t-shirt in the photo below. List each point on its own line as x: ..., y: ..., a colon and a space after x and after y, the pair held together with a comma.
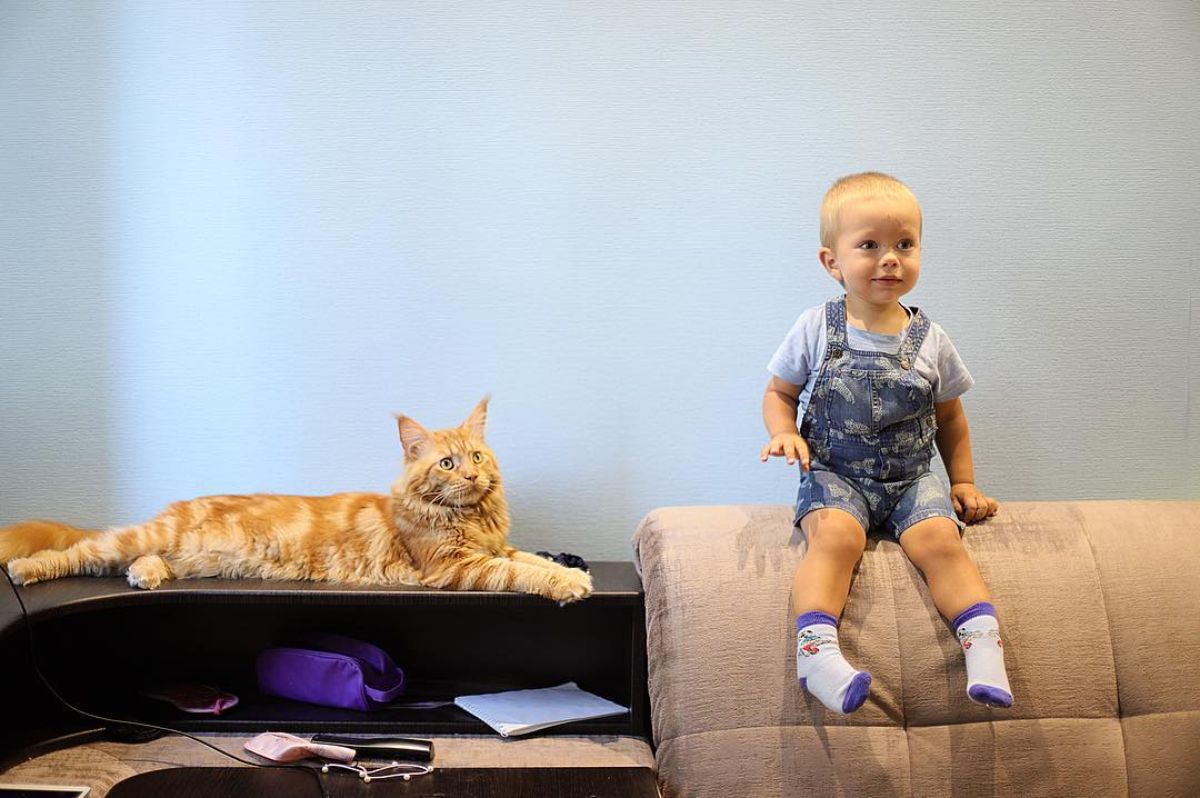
x: 798, y: 358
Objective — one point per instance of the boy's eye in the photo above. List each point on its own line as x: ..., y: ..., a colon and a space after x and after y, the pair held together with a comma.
x: 447, y: 463
x: 477, y: 457
x: 867, y: 245
x: 906, y: 244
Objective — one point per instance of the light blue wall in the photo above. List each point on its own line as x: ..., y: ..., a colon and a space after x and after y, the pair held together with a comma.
x: 236, y: 237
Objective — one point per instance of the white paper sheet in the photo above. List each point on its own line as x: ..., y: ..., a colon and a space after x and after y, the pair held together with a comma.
x: 522, y: 711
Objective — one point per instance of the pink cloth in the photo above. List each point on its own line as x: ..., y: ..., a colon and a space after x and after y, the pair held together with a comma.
x: 283, y: 747
x: 191, y: 697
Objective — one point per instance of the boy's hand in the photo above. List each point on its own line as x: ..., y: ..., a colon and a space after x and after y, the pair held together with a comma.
x: 789, y: 445
x: 970, y: 503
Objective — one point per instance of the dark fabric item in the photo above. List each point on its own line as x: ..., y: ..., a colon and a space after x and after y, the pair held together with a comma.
x: 331, y: 671
x: 566, y: 560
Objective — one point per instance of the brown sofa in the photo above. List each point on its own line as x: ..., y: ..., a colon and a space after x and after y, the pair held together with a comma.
x: 1098, y: 604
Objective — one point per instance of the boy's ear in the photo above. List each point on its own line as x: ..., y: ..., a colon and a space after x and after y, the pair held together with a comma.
x: 413, y: 437
x: 825, y: 255
x: 476, y: 422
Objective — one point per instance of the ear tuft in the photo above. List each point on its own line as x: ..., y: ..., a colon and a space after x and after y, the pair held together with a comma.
x: 413, y: 437
x: 477, y: 421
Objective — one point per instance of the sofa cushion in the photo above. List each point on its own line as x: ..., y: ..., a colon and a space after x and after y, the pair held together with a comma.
x: 1076, y: 586
x: 785, y: 761
x: 1147, y: 561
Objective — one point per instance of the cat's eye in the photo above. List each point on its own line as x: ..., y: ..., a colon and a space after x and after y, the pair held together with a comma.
x: 447, y: 463
x: 477, y: 457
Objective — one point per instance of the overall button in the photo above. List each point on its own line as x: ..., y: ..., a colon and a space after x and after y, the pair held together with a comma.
x: 904, y: 363
x: 835, y: 353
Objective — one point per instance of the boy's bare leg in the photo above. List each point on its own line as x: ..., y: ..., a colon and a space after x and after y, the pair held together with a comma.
x: 935, y: 546
x: 819, y: 589
x: 835, y: 545
x: 960, y: 595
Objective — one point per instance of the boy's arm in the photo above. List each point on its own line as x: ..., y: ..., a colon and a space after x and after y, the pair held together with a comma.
x: 954, y: 443
x: 780, y: 401
x: 779, y: 407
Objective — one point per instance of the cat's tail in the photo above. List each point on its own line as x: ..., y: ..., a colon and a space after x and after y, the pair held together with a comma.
x: 30, y: 537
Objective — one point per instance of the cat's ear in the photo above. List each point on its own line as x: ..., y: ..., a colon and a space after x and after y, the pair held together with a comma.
x: 413, y: 437
x: 478, y: 418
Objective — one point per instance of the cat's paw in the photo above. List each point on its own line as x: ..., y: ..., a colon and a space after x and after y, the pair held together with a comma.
x: 148, y: 572
x: 23, y: 570
x: 570, y: 584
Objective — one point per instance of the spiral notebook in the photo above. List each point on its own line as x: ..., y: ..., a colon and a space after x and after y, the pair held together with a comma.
x: 523, y: 711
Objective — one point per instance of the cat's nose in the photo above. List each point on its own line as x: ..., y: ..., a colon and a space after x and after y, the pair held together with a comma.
x: 470, y: 477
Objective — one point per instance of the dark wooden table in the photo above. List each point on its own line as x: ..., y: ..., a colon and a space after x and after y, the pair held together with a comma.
x: 448, y: 783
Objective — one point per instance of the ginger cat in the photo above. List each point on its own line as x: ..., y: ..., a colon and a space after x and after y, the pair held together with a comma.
x: 445, y: 524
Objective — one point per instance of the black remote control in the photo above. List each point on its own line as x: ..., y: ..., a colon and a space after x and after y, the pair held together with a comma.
x: 408, y: 748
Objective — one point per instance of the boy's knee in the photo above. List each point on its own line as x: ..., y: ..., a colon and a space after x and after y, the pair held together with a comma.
x: 932, y: 540
x: 835, y: 533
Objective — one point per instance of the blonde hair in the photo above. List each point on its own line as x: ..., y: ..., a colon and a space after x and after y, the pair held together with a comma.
x: 852, y: 187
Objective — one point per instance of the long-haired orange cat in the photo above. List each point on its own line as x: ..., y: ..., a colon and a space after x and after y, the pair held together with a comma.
x: 445, y: 524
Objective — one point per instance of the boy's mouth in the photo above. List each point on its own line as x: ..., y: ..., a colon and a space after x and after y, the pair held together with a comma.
x: 888, y: 280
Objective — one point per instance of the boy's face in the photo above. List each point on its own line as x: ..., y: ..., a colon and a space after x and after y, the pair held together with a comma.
x: 877, y: 254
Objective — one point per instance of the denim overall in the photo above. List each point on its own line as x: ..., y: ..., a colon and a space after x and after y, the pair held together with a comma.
x: 870, y: 428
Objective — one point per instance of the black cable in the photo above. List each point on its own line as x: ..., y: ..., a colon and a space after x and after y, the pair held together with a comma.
x: 316, y: 772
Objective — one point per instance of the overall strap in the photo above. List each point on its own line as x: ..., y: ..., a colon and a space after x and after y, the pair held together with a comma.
x: 917, y: 329
x: 835, y: 328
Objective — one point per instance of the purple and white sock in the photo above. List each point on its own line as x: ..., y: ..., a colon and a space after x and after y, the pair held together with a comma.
x: 822, y: 669
x: 979, y: 635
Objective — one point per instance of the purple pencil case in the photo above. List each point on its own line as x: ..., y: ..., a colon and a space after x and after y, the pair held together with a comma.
x: 331, y: 671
